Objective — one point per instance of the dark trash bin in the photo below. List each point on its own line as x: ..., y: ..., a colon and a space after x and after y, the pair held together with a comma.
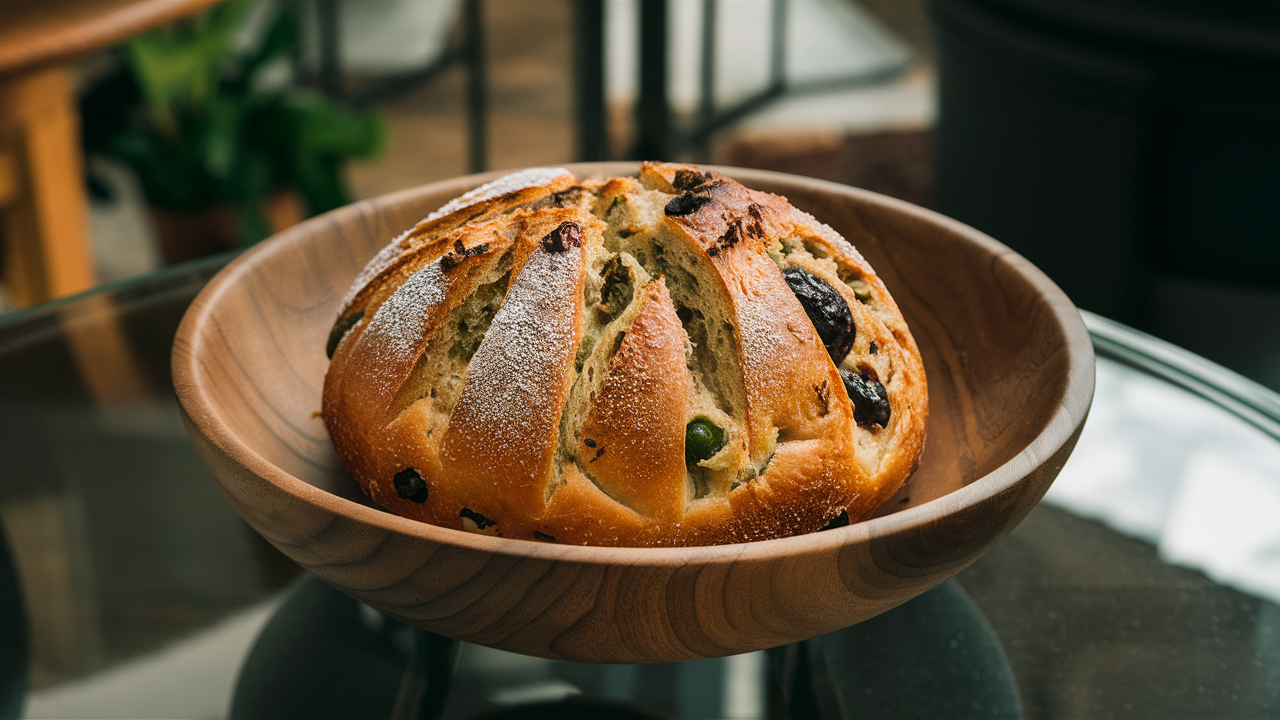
x: 1115, y: 142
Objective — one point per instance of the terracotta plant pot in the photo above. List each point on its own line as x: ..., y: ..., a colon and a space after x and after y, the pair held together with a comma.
x: 189, y: 235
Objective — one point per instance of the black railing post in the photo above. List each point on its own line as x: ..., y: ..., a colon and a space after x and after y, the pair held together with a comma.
x: 330, y: 50
x: 428, y: 676
x: 653, y: 114
x: 707, y: 84
x: 473, y: 29
x: 590, y: 111
x: 778, y: 51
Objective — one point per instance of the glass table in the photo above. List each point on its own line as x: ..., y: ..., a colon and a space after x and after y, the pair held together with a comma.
x: 1146, y: 585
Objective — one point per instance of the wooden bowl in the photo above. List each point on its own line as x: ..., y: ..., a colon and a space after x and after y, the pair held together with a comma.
x: 1010, y: 370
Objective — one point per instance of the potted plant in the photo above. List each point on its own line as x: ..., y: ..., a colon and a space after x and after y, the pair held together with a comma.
x: 227, y: 148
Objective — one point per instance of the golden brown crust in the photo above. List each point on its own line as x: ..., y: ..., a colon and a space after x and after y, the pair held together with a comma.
x: 432, y: 237
x: 558, y: 411
x: 631, y: 442
x: 897, y: 358
x: 504, y: 431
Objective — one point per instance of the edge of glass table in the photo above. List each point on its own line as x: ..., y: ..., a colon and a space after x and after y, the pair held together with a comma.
x: 1251, y: 402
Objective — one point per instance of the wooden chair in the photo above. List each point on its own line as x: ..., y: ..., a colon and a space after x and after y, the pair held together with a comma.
x: 43, y: 211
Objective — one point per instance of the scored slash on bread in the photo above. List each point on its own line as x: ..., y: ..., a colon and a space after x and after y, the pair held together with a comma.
x: 536, y: 353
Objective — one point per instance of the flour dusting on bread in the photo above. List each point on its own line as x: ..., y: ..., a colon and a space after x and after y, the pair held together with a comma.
x: 505, y: 185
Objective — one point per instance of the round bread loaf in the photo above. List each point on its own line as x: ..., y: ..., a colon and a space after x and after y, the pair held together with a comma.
x: 672, y: 359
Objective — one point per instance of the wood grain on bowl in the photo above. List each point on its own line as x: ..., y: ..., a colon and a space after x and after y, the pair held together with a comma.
x: 1010, y: 370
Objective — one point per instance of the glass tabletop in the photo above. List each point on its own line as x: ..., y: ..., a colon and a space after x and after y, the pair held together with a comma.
x: 1146, y: 584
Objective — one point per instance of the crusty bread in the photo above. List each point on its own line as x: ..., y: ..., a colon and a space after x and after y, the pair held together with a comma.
x: 528, y: 360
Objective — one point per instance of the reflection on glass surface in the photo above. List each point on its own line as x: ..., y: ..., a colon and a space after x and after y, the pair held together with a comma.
x: 1181, y: 473
x: 1145, y: 585
x: 121, y: 542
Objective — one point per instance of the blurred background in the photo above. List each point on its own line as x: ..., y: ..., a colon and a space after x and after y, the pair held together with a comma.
x: 1130, y: 149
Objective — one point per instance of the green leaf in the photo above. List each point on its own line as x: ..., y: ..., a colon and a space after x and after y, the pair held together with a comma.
x: 176, y: 66
x: 280, y: 37
x: 322, y: 127
x: 312, y: 135
x: 320, y: 183
x: 167, y: 178
x: 253, y: 218
x: 222, y: 135
x: 217, y: 127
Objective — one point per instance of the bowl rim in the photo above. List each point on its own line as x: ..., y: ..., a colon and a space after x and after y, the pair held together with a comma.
x: 1057, y: 431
